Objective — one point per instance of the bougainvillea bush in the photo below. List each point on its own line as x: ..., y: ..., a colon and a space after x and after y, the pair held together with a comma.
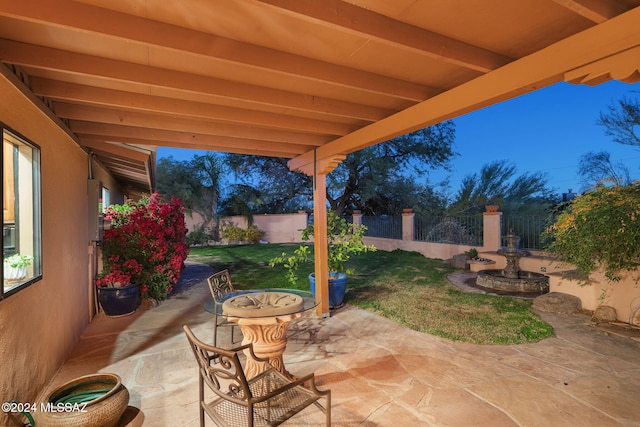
x: 600, y: 229
x: 146, y: 245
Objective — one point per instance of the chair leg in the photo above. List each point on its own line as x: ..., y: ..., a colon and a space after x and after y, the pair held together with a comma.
x: 201, y: 393
x: 327, y: 410
x: 215, y: 330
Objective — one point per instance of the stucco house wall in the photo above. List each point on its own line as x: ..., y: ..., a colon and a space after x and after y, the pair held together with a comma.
x: 42, y: 323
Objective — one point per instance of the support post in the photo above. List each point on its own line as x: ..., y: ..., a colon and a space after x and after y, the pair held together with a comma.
x: 321, y: 244
x: 319, y: 170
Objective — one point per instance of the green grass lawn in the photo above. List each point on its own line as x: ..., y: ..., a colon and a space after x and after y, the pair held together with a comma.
x: 402, y: 286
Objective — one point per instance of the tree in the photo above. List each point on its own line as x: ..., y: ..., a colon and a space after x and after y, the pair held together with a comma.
x: 399, y: 192
x: 208, y: 169
x: 176, y: 178
x: 375, y: 179
x: 359, y: 179
x: 597, y: 168
x: 622, y: 121
x: 497, y: 183
x: 272, y: 186
x: 196, y: 182
x: 241, y: 200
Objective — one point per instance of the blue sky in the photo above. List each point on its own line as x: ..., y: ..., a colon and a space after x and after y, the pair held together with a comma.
x: 543, y: 131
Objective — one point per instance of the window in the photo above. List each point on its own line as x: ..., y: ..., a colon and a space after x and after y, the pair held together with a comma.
x: 21, y: 235
x: 106, y: 199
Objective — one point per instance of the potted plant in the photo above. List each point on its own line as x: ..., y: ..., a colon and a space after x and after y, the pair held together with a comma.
x: 15, y: 267
x: 116, y: 294
x: 147, y: 241
x: 345, y: 240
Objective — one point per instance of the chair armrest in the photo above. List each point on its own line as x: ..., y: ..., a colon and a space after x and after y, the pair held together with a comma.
x: 253, y: 355
x: 312, y: 386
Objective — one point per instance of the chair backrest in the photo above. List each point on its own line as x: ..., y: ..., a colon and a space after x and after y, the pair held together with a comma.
x: 220, y: 284
x: 225, y: 378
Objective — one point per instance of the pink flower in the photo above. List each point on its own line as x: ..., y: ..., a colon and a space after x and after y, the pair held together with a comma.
x: 147, y: 242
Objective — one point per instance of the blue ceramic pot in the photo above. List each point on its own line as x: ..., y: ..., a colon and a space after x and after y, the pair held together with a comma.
x: 119, y: 301
x: 337, y: 287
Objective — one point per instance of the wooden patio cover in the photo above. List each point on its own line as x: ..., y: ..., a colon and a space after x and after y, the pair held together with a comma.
x: 309, y: 80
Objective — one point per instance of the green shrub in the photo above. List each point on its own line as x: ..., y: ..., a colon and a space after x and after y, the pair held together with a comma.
x: 472, y: 253
x: 253, y: 234
x: 199, y: 236
x: 600, y: 229
x: 232, y: 233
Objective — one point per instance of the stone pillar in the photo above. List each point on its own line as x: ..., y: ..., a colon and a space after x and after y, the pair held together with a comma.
x: 492, y: 230
x: 357, y: 217
x: 407, y: 224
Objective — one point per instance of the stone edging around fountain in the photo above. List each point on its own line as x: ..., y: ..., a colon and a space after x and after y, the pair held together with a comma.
x: 461, y: 281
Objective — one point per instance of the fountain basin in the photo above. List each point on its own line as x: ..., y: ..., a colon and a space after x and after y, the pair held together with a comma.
x: 526, y: 281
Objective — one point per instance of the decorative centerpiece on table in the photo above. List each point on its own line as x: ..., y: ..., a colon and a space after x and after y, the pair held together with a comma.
x: 345, y: 240
x: 145, y: 248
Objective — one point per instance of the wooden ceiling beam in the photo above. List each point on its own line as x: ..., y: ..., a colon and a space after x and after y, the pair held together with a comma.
x: 116, y: 25
x: 117, y: 150
x: 29, y: 55
x: 117, y: 166
x: 164, y: 122
x: 153, y: 136
x: 71, y: 92
x: 354, y: 19
x: 222, y: 148
x: 596, y: 11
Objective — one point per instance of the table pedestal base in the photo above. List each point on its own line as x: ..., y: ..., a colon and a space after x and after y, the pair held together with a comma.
x: 269, y: 338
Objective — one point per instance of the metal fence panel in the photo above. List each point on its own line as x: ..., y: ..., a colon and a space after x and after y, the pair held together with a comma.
x: 528, y: 227
x: 460, y: 230
x: 388, y: 227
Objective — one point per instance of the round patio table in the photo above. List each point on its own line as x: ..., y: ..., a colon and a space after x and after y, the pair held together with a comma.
x: 263, y: 316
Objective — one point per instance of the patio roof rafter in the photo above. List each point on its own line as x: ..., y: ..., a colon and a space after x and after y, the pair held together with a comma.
x: 206, y: 127
x: 348, y: 17
x: 597, y: 11
x: 122, y: 100
x: 178, y: 137
x: 148, y: 33
x: 146, y: 78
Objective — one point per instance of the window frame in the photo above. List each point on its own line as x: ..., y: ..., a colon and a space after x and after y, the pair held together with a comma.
x: 36, y: 214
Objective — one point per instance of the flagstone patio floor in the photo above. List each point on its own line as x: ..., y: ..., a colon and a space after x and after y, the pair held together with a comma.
x: 380, y: 373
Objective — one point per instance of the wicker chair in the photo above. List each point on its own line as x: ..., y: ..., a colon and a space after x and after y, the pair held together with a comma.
x: 268, y: 399
x: 219, y: 285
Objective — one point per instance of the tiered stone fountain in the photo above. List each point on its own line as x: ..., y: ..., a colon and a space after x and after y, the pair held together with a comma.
x: 511, y: 278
